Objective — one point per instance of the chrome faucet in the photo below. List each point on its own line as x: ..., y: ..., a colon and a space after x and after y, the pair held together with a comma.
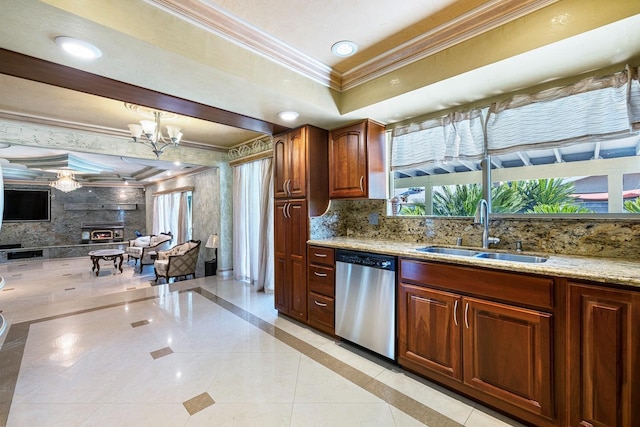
x: 482, y: 217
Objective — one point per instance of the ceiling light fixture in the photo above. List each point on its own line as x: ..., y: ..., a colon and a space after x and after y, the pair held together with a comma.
x: 78, y: 48
x: 344, y: 48
x: 148, y: 132
x: 288, y: 116
x: 65, y: 182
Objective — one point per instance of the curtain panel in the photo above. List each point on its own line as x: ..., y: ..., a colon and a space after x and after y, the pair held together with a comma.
x: 171, y: 212
x: 253, y: 259
x: 457, y: 136
x: 592, y: 110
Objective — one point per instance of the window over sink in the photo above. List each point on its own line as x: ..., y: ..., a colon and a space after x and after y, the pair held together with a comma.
x: 571, y: 150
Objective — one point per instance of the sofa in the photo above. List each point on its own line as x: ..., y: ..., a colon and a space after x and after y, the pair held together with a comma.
x: 144, y: 248
x: 179, y: 261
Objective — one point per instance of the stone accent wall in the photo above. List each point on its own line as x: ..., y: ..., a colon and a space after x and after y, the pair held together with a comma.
x: 583, y: 236
x: 64, y: 229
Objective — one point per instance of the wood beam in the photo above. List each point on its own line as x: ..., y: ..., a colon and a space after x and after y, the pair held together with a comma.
x: 35, y: 69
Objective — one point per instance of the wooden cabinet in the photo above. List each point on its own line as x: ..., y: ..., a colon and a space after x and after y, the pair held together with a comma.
x: 493, y: 350
x: 290, y: 169
x: 321, y: 297
x: 301, y: 190
x: 357, y: 159
x: 290, y: 274
x: 507, y: 354
x: 429, y: 330
x: 604, y: 356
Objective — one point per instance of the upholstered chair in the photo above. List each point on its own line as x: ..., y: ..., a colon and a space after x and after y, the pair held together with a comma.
x: 144, y: 248
x: 179, y: 261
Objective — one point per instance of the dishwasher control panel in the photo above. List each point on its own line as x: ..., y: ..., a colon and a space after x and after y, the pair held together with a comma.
x: 382, y: 262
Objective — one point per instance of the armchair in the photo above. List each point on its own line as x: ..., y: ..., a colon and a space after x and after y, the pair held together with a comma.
x: 143, y: 247
x: 177, y: 261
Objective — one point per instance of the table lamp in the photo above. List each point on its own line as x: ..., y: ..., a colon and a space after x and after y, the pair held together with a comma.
x: 212, y: 243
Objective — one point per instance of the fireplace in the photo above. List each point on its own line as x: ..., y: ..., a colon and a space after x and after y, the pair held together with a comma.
x: 103, y: 232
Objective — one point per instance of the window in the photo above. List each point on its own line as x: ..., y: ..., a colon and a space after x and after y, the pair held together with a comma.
x: 569, y: 150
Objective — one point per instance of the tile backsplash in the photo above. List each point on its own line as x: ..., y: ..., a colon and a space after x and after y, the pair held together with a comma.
x: 582, y: 236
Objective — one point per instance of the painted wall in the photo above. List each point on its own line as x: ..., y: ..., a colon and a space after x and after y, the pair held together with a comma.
x: 587, y: 237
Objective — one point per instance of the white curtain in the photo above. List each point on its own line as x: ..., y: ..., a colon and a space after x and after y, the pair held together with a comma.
x: 594, y: 109
x: 456, y: 136
x: 253, y: 224
x: 171, y: 212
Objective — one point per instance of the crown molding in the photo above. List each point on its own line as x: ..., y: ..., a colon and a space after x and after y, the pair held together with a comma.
x: 215, y: 20
x: 471, y: 24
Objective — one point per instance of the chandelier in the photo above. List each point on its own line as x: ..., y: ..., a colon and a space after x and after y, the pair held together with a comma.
x: 65, y: 182
x: 148, y: 132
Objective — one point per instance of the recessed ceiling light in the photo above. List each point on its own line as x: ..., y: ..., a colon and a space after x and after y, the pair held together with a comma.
x: 344, y: 48
x: 288, y: 116
x: 78, y: 48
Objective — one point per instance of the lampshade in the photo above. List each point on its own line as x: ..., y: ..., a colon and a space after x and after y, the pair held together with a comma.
x: 212, y: 242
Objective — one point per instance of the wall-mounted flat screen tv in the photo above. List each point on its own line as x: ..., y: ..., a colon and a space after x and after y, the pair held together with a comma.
x: 27, y: 205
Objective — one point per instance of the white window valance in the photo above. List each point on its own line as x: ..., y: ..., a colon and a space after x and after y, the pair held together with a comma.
x: 453, y: 137
x: 594, y: 109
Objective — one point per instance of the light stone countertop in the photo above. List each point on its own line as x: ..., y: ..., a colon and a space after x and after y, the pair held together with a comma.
x: 604, y: 270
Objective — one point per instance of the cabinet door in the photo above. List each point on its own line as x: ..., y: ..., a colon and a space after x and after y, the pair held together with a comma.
x: 297, y: 171
x: 281, y: 162
x: 348, y: 162
x: 603, y: 356
x: 508, y: 353
x: 429, y: 330
x: 281, y: 294
x: 297, y: 231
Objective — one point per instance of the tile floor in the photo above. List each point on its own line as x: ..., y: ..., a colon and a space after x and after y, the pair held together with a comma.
x: 113, y: 350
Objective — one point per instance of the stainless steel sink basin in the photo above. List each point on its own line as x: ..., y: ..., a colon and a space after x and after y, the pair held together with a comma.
x: 511, y: 257
x: 478, y: 254
x: 448, y: 251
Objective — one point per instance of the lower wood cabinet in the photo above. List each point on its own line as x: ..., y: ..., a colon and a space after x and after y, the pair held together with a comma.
x: 604, y: 356
x: 321, y: 297
x: 488, y: 349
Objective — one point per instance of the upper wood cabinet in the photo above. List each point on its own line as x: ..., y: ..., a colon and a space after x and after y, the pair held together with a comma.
x: 357, y: 159
x: 301, y: 167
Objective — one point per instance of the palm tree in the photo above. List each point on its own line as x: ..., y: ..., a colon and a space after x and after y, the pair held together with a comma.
x: 632, y: 206
x: 462, y: 200
x: 557, y: 208
x: 552, y: 191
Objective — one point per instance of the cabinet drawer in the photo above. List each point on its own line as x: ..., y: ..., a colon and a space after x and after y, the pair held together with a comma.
x: 318, y: 255
x: 321, y: 280
x: 321, y: 312
x: 521, y: 289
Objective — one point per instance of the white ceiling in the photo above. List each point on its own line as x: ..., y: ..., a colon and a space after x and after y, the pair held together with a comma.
x: 259, y: 58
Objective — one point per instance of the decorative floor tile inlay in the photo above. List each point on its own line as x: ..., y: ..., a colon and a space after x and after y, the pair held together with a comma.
x: 198, y: 403
x: 162, y: 352
x: 139, y: 323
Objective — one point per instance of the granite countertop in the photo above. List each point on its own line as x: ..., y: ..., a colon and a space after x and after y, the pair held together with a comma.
x: 604, y: 270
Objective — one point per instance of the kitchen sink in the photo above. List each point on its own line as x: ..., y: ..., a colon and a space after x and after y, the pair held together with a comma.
x: 488, y: 255
x: 449, y: 251
x: 511, y: 257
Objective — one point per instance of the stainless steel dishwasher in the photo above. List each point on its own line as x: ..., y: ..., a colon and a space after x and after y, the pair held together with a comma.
x: 365, y: 303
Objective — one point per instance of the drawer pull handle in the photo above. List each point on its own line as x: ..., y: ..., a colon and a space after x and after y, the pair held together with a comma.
x: 320, y: 274
x: 466, y: 315
x: 319, y: 303
x: 320, y: 255
x: 362, y: 183
x: 455, y: 312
